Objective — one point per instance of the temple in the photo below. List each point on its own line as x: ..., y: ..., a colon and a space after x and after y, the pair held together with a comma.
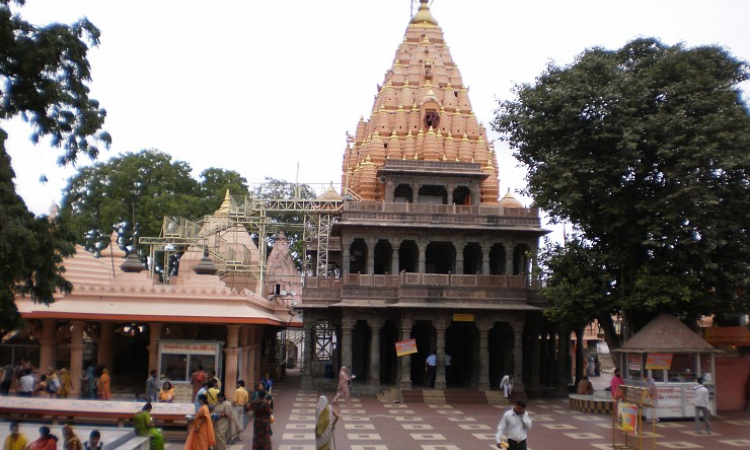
x: 424, y: 248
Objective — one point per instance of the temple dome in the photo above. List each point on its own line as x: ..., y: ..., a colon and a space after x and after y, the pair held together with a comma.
x: 510, y: 201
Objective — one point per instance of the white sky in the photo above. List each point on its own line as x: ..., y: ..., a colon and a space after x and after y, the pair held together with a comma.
x: 259, y: 86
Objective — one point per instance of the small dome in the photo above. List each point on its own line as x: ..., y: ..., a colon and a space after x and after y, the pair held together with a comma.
x: 510, y: 201
x: 330, y: 194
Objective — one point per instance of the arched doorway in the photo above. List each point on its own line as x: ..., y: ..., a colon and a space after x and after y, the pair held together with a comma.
x: 408, y: 256
x: 462, y: 196
x: 403, y: 194
x: 440, y: 257
x: 383, y: 257
x: 462, y: 343
x: 358, y: 256
x: 361, y: 337
x: 501, y: 353
x: 388, y: 359
x: 424, y: 333
x: 472, y: 259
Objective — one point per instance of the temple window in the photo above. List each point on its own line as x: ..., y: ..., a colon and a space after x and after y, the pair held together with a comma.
x: 436, y: 195
x: 324, y: 340
x: 403, y: 194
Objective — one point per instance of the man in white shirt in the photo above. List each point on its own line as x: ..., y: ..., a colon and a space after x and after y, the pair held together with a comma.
x: 515, y: 424
x: 430, y: 366
x: 26, y: 384
x: 701, y: 406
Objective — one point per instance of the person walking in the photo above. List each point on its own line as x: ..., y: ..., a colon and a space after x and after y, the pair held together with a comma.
x: 88, y: 387
x: 152, y: 387
x: 46, y: 440
x: 325, y: 421
x: 506, y: 385
x: 70, y: 439
x: 701, y: 407
x: 227, y: 426
x: 430, y: 366
x: 343, y: 388
x: 263, y: 414
x: 515, y: 426
x: 240, y: 400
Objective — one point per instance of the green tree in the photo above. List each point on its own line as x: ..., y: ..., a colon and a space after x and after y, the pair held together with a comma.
x: 644, y: 150
x: 44, y: 73
x: 215, y: 183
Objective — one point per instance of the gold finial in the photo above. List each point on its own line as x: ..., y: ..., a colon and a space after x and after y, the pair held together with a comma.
x: 225, y: 205
x: 423, y: 16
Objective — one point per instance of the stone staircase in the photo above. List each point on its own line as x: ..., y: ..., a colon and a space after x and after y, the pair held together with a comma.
x: 442, y: 397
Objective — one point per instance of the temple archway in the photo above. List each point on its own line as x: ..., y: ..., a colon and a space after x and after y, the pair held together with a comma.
x: 389, y: 334
x: 462, y: 343
x: 424, y: 333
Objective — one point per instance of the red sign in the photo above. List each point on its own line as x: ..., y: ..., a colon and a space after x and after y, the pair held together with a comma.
x: 659, y: 361
x: 407, y: 347
x: 728, y: 336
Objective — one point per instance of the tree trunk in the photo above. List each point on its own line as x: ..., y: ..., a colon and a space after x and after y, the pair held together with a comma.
x: 579, y: 353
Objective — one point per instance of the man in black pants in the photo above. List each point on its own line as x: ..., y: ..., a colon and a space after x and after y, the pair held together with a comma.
x: 431, y: 367
x: 514, y: 425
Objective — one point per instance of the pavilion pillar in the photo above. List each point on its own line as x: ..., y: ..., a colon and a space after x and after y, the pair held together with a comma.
x: 440, y: 326
x: 484, y: 327
x: 308, y: 353
x: 459, y: 246
x: 375, y: 323
x: 47, y: 356
x: 345, y: 259
x: 422, y: 247
x: 231, y: 351
x: 405, y: 381
x: 518, y: 356
x: 104, y: 354
x: 347, y: 325
x: 243, y: 347
x: 257, y: 354
x: 154, y: 335
x: 76, y: 356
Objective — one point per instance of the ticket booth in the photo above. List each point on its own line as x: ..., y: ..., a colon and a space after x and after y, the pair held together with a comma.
x: 179, y: 359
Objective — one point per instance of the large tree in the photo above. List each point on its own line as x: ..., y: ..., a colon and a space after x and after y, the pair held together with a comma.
x: 44, y: 73
x: 132, y: 193
x: 645, y: 151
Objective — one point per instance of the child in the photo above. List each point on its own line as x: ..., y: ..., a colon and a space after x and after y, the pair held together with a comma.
x: 94, y: 442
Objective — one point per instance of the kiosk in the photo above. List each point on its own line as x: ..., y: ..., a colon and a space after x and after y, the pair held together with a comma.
x: 178, y: 360
x: 675, y: 356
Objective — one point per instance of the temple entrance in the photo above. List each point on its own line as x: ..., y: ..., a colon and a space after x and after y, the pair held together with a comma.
x: 501, y: 353
x: 462, y: 343
x: 361, y: 337
x: 424, y: 333
x: 408, y: 256
x: 388, y: 358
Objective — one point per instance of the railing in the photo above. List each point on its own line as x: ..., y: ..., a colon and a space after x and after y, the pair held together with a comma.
x: 422, y: 279
x: 429, y: 208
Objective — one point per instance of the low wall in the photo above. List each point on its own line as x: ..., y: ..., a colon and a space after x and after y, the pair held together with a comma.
x: 592, y: 404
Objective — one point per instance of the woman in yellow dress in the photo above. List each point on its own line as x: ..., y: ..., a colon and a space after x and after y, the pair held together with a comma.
x: 166, y: 394
x: 103, y: 386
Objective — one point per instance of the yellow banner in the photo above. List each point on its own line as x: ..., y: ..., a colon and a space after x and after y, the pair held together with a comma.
x: 463, y: 317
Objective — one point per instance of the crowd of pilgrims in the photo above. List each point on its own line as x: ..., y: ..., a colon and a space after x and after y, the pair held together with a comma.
x: 26, y: 382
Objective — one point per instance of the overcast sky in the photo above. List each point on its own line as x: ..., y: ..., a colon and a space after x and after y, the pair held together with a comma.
x: 263, y: 86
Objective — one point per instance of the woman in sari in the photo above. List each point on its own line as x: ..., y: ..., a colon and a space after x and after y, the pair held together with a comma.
x: 325, y: 419
x: 262, y: 424
x: 166, y: 394
x: 66, y: 385
x: 46, y: 440
x: 201, y: 436
x: 103, y: 386
x: 227, y: 427
x: 70, y: 440
x: 144, y: 426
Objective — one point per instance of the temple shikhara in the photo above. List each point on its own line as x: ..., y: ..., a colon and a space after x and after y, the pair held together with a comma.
x: 418, y: 247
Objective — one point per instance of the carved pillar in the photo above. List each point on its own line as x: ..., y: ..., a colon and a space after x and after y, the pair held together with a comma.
x: 308, y: 354
x: 345, y: 259
x: 422, y: 246
x: 405, y: 382
x: 518, y: 355
x: 47, y: 347
x: 441, y: 324
x: 484, y: 325
x: 510, y: 248
x: 154, y: 334
x: 371, y: 241
x: 104, y: 353
x: 244, y: 347
x: 347, y: 326
x: 374, y: 323
x: 76, y: 356
x: 231, y: 351
x: 395, y: 246
x: 460, y: 257
x: 486, y: 258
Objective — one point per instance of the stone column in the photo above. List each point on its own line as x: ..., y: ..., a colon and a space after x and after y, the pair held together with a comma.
x: 76, y: 356
x: 345, y: 259
x: 460, y: 257
x: 484, y: 325
x: 422, y: 246
x: 307, y: 356
x: 374, y: 323
x: 104, y: 353
x: 370, y: 241
x: 154, y: 334
x: 347, y: 326
x: 47, y: 344
x: 441, y: 324
x: 518, y: 355
x: 395, y: 246
x: 405, y: 382
x: 244, y: 349
x: 510, y: 248
x: 231, y: 351
x: 486, y: 258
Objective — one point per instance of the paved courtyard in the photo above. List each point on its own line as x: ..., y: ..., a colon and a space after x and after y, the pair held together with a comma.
x: 369, y: 424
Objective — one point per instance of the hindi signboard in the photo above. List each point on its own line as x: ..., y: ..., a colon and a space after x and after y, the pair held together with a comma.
x: 407, y: 347
x: 659, y: 361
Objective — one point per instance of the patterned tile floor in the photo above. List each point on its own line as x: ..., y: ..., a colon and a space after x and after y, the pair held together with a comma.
x: 369, y: 424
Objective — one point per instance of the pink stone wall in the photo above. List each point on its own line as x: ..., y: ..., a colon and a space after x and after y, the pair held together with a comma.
x: 731, y: 376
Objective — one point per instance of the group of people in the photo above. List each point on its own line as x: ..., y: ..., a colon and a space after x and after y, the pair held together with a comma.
x: 154, y: 393
x: 48, y: 441
x: 96, y: 383
x: 50, y: 384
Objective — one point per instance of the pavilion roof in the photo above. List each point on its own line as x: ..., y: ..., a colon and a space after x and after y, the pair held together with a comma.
x: 666, y: 333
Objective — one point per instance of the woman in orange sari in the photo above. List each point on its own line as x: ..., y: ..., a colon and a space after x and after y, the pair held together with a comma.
x: 201, y: 436
x: 103, y: 386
